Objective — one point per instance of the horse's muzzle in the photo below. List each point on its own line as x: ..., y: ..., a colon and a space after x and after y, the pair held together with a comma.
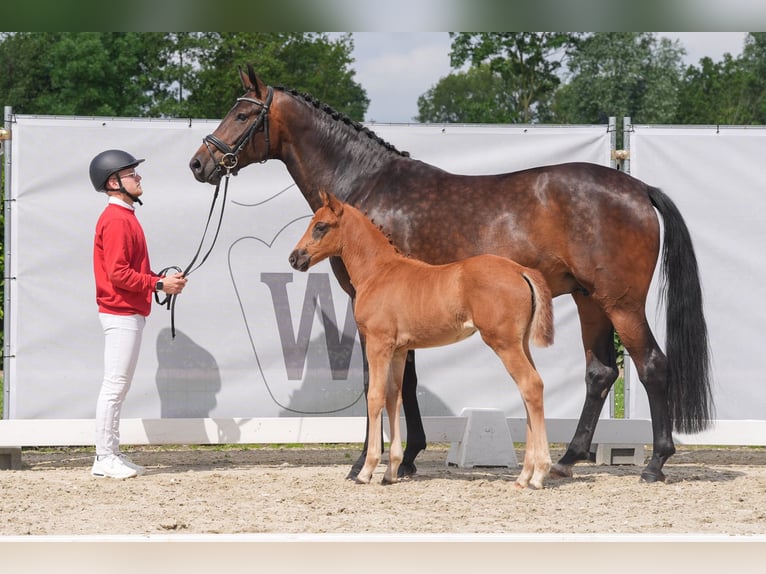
x: 203, y: 169
x: 299, y: 259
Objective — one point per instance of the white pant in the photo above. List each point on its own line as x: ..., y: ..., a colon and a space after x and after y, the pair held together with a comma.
x: 122, y: 342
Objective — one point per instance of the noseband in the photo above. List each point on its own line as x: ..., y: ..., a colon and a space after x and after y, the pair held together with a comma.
x: 230, y: 157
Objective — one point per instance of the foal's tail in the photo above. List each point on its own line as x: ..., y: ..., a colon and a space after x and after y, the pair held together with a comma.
x: 541, y: 326
x: 687, y: 349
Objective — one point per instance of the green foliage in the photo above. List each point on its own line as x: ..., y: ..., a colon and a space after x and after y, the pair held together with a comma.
x: 475, y: 96
x: 305, y: 62
x: 621, y: 74
x: 528, y: 64
x: 152, y: 74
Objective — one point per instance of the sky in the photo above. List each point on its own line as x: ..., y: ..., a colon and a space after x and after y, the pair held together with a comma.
x: 395, y: 68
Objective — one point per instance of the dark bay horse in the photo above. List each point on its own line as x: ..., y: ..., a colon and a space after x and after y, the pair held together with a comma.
x: 592, y: 231
x: 403, y: 303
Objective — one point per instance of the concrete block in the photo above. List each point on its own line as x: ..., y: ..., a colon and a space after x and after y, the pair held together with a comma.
x: 616, y: 454
x: 486, y: 441
x: 10, y: 458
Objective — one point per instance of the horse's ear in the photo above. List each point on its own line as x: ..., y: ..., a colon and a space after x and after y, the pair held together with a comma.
x: 254, y: 81
x: 250, y: 81
x: 243, y: 78
x: 329, y: 200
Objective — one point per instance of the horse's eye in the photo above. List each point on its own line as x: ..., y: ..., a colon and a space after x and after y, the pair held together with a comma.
x: 320, y: 228
x: 241, y: 117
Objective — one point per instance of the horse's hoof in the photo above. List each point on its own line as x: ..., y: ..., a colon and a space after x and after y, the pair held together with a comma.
x: 649, y: 476
x: 406, y: 470
x: 561, y: 471
x: 387, y: 482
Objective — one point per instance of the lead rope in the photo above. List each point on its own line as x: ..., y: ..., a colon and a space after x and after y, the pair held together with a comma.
x: 169, y: 300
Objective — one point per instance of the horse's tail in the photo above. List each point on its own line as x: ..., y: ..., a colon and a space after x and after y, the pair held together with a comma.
x: 541, y: 325
x: 688, y: 378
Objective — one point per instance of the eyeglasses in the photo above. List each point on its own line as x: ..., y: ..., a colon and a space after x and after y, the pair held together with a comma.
x: 132, y: 174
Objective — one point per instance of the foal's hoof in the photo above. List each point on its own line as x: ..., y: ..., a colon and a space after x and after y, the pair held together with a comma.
x: 561, y: 471
x: 650, y: 476
x: 406, y: 470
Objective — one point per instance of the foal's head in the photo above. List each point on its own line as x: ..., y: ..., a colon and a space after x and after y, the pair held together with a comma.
x: 322, y: 238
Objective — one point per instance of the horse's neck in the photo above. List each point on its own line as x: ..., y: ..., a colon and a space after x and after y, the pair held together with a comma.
x: 321, y: 152
x: 365, y: 247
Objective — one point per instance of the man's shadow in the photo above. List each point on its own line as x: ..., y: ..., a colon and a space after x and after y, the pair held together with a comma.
x: 188, y: 378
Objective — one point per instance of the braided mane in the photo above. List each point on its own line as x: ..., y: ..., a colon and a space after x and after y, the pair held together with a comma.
x: 386, y: 235
x: 341, y: 117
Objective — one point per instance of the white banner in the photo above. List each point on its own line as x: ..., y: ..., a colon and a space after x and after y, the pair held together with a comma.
x: 714, y: 176
x: 254, y: 337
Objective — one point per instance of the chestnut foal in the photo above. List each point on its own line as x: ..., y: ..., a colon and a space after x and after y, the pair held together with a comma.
x: 403, y: 303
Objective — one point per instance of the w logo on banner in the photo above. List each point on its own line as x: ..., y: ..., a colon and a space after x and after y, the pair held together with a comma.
x: 340, y: 345
x: 300, y: 328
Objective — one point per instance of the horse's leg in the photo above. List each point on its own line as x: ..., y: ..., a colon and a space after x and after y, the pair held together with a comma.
x: 416, y: 435
x: 652, y: 367
x: 380, y: 371
x: 393, y: 408
x: 600, y: 374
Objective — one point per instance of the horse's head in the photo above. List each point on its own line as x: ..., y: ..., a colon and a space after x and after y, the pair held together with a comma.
x: 322, y: 239
x: 236, y: 143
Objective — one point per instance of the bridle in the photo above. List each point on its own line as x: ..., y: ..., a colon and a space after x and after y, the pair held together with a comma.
x: 227, y: 163
x: 230, y: 158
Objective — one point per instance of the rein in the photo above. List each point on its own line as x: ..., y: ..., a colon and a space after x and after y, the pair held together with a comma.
x: 228, y: 162
x: 170, y: 299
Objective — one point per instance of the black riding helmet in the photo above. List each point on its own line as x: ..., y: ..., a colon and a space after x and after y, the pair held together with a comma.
x: 108, y: 162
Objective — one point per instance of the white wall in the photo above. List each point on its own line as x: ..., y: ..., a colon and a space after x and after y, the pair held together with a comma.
x: 227, y: 360
x: 716, y: 177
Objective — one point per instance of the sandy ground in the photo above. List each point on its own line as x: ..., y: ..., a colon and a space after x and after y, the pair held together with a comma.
x: 195, y: 490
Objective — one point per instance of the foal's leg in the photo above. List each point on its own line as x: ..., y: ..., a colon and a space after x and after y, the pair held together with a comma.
x: 359, y: 463
x: 537, y: 457
x: 393, y: 408
x: 518, y: 362
x: 379, y: 358
x: 600, y: 374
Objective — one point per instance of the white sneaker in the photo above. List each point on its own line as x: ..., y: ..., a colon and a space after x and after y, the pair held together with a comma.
x: 111, y: 466
x: 140, y: 470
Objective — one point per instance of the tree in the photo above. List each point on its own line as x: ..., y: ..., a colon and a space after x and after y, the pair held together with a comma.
x: 477, y: 95
x: 86, y: 73
x: 138, y: 74
x: 713, y: 93
x: 305, y: 62
x: 621, y: 74
x: 753, y: 68
x: 528, y: 63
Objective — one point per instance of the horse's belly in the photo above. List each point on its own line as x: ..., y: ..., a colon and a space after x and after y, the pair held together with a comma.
x: 437, y: 336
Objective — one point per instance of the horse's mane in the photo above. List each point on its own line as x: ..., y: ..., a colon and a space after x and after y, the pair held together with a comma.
x: 387, y: 236
x: 341, y: 117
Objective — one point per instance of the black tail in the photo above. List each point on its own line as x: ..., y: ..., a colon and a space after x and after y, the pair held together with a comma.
x: 687, y: 349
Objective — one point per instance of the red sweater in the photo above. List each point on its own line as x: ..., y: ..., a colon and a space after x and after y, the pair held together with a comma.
x: 124, y: 280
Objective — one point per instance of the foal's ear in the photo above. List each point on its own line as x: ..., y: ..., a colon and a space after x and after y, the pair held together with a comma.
x: 330, y: 201
x: 335, y: 204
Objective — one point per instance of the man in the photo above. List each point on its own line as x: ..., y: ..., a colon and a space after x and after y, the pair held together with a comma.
x: 125, y: 285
